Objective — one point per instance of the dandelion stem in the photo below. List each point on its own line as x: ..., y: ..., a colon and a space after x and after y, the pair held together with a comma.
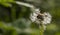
x: 42, y: 29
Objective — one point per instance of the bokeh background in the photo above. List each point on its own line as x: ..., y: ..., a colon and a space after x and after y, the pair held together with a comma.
x: 14, y: 19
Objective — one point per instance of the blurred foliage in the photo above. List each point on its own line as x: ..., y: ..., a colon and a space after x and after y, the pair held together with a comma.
x: 7, y: 30
x: 18, y: 16
x: 6, y: 2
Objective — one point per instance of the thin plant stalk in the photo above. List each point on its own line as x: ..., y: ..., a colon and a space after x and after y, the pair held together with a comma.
x: 41, y: 29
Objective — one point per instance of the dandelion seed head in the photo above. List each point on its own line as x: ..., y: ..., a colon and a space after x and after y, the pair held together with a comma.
x: 37, y: 17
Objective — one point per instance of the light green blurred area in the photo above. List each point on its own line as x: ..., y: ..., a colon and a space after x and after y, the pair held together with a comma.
x: 19, y: 24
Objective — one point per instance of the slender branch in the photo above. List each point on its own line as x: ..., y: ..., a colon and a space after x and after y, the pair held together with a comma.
x: 32, y: 7
x: 25, y: 4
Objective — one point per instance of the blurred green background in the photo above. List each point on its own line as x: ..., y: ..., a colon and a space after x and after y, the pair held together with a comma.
x: 14, y: 19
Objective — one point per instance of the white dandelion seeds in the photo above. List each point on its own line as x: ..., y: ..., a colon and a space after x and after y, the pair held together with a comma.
x: 34, y: 15
x: 45, y: 16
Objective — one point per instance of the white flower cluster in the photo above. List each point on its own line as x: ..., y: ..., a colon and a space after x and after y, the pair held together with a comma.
x: 39, y: 18
x: 45, y: 16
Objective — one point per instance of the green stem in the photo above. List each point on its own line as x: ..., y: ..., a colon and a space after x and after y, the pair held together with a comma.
x: 42, y: 29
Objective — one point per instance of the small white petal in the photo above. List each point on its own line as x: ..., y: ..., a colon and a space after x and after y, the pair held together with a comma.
x: 37, y: 11
x: 33, y: 18
x: 34, y: 14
